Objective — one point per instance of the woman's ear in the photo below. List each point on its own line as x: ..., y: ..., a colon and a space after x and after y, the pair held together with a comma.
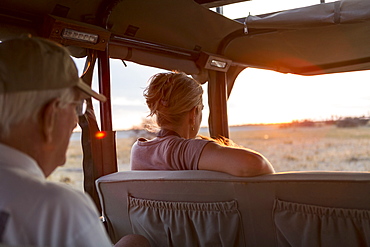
x: 47, y: 119
x: 192, y: 115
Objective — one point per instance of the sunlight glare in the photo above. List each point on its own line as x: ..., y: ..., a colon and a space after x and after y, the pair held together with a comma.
x: 262, y: 96
x: 243, y: 9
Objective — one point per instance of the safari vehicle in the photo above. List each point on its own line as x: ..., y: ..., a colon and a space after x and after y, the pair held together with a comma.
x: 204, y: 208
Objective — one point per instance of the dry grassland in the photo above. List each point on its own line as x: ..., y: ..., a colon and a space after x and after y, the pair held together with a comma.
x: 288, y: 149
x: 311, y: 148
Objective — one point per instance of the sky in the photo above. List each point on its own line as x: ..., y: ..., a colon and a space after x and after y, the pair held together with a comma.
x: 258, y: 96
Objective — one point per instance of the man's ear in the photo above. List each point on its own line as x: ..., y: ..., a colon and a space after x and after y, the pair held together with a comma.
x: 47, y: 119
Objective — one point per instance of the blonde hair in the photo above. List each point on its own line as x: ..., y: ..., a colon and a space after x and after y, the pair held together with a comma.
x: 170, y: 95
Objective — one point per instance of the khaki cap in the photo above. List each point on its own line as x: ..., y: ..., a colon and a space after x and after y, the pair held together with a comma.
x: 32, y: 64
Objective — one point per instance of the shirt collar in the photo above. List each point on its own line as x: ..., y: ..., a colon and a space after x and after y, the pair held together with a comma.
x: 15, y: 160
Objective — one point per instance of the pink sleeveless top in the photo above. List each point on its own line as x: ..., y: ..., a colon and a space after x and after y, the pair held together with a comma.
x: 166, y: 153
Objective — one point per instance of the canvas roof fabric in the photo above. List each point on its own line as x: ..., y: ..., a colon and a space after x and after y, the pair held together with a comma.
x: 322, y: 38
x: 318, y: 39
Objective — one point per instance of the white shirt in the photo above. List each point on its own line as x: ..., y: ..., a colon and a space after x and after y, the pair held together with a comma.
x: 43, y: 213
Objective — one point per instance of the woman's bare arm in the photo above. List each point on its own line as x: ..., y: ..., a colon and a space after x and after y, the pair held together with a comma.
x: 235, y: 161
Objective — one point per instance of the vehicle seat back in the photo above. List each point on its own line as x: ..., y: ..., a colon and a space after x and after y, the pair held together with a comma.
x: 205, y: 208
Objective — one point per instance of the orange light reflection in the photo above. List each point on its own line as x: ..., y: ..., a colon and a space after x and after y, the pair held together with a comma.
x: 100, y: 135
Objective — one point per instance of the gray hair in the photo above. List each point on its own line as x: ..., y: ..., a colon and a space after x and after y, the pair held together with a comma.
x: 20, y: 106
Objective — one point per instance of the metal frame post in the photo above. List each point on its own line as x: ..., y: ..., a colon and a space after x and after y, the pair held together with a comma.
x: 217, y: 100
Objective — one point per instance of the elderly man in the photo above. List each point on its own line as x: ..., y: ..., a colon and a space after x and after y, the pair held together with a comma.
x: 41, y: 96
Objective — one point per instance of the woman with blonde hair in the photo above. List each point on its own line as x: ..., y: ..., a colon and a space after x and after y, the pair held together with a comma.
x: 176, y: 101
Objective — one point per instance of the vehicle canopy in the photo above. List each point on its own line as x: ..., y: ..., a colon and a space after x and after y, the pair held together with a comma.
x: 298, y: 41
x: 186, y: 35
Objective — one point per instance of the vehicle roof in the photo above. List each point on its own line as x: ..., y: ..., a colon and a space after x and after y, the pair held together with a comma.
x: 319, y: 39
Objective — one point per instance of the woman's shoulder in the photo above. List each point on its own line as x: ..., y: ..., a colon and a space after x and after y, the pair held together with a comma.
x: 171, y: 142
x: 196, y: 141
